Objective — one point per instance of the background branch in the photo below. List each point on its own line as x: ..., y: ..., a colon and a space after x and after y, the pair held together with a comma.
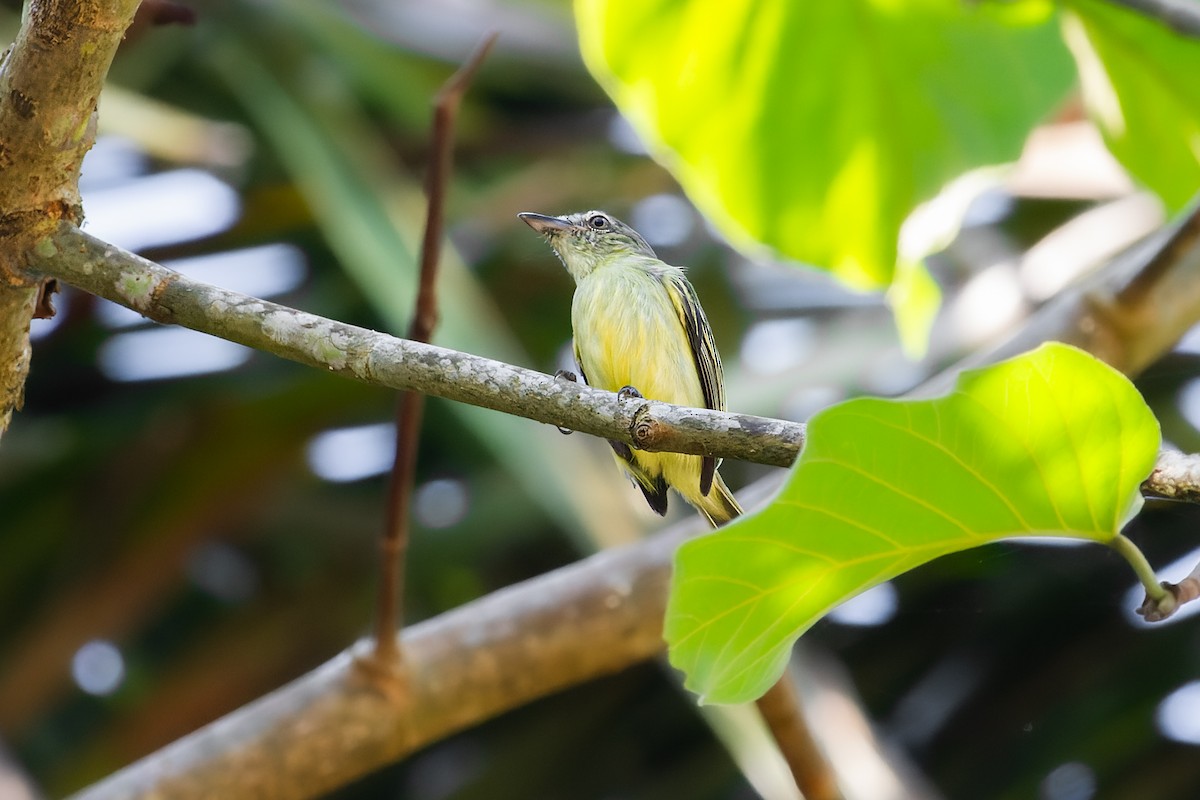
x: 784, y: 714
x: 1127, y: 314
x: 508, y: 648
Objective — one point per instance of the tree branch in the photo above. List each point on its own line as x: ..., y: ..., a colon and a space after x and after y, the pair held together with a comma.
x: 506, y: 649
x: 376, y: 358
x: 1128, y: 314
x: 1176, y: 476
x: 16, y: 311
x: 49, y: 82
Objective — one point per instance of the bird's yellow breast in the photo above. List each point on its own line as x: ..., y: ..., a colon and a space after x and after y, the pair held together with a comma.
x: 628, y: 333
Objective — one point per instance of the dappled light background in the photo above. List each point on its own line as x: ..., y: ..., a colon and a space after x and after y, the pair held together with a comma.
x: 186, y: 524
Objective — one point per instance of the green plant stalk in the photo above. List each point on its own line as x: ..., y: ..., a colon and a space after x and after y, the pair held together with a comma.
x: 1141, y: 567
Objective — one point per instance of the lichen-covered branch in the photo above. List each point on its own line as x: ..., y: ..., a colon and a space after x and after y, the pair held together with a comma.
x: 333, y: 725
x: 16, y: 310
x: 50, y: 80
x: 1176, y: 476
x: 166, y: 296
x: 1123, y: 317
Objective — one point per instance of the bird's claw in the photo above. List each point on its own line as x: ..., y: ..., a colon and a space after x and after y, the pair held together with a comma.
x: 628, y: 393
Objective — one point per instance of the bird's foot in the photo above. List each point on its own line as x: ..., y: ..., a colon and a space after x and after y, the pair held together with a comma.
x: 628, y: 393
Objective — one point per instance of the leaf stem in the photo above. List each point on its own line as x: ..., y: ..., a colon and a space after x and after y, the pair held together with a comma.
x: 1141, y: 567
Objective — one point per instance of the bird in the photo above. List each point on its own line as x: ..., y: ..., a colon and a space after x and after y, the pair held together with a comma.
x: 640, y: 331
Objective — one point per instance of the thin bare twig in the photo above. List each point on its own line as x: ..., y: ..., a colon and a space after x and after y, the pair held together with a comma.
x: 389, y: 613
x: 783, y: 714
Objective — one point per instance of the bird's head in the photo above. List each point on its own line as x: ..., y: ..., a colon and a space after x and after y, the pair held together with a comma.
x: 588, y: 240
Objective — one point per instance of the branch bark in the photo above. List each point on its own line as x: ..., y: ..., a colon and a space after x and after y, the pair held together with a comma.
x: 1176, y: 476
x: 50, y: 80
x: 333, y: 725
x: 1131, y: 312
x: 376, y: 358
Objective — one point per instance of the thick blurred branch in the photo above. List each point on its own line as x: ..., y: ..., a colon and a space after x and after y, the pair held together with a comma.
x: 50, y: 80
x: 581, y: 622
x: 376, y: 358
x: 16, y: 311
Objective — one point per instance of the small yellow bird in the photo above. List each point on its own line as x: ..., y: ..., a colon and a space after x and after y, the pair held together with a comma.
x: 639, y: 330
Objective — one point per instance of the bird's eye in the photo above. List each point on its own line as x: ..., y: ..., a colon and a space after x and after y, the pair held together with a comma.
x: 598, y: 221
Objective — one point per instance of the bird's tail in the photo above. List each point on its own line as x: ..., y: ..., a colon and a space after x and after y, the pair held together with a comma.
x: 719, y: 505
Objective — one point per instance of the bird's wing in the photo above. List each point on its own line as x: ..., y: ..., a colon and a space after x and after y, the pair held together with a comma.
x: 699, y: 334
x: 704, y: 352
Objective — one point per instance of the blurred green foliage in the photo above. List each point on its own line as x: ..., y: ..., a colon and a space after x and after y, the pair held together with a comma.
x: 1137, y: 82
x: 816, y: 128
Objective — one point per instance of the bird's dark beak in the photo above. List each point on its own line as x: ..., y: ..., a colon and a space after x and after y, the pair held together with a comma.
x: 543, y: 224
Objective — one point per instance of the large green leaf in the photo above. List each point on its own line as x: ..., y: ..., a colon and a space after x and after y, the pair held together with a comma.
x: 1051, y: 443
x: 1140, y: 84
x: 815, y: 127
